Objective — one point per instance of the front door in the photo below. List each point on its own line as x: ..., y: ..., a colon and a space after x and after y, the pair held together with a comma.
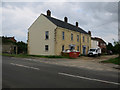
x: 84, y: 50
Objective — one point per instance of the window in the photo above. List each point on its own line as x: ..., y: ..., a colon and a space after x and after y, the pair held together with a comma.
x: 77, y: 48
x: 62, y: 47
x: 71, y: 36
x: 77, y: 38
x: 46, y: 35
x: 83, y: 39
x: 63, y: 35
x: 46, y: 47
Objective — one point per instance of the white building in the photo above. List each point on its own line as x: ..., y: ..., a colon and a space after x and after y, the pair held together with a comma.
x: 94, y: 43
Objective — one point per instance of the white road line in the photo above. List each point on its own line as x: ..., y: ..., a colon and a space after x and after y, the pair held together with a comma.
x: 89, y: 78
x: 24, y: 66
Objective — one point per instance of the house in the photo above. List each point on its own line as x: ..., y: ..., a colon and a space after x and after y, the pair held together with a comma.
x: 8, y: 45
x: 94, y: 43
x: 100, y: 43
x: 50, y: 36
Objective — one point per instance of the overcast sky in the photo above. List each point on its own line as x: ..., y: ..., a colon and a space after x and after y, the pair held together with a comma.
x: 101, y: 18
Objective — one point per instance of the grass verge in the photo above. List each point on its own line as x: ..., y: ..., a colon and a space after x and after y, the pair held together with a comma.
x: 113, y: 60
x: 30, y: 56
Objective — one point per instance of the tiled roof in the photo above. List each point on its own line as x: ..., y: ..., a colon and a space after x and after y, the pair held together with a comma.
x: 65, y: 25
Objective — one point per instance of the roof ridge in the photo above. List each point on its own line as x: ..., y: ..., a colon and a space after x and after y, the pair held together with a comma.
x: 62, y: 21
x: 66, y: 25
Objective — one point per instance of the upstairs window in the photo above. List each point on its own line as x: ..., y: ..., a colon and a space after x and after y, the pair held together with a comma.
x: 63, y: 36
x: 71, y: 36
x: 83, y: 39
x: 46, y: 35
x: 77, y: 38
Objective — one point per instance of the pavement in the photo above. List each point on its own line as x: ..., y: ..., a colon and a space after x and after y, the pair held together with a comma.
x: 44, y: 73
x: 81, y: 62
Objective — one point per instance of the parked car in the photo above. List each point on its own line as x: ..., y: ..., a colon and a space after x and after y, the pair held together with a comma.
x: 94, y: 52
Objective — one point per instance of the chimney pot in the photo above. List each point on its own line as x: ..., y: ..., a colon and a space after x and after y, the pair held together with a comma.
x: 48, y: 13
x: 65, y: 19
x: 76, y: 24
x: 89, y: 32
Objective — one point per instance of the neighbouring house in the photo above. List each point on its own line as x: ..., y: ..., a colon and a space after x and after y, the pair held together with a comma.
x: 95, y: 41
x: 50, y: 36
x: 8, y: 45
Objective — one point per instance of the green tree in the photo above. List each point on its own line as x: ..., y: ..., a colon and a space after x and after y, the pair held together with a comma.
x: 110, y: 46
x: 117, y: 47
x: 22, y: 47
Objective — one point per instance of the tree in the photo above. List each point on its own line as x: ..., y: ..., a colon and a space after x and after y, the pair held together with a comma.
x: 22, y: 47
x: 117, y: 47
x: 110, y: 47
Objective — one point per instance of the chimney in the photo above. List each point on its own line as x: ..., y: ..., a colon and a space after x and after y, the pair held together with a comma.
x: 48, y: 13
x: 65, y: 19
x: 89, y: 32
x: 76, y: 24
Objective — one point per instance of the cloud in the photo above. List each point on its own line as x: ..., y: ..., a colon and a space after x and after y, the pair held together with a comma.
x: 61, y: 1
x: 99, y: 17
x: 16, y: 21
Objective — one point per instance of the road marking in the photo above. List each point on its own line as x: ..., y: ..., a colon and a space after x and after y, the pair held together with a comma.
x: 24, y: 66
x: 89, y: 78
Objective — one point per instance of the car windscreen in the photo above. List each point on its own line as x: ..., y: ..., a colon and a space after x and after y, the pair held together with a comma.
x: 92, y: 49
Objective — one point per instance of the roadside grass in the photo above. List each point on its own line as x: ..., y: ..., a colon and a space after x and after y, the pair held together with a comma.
x: 31, y: 56
x: 112, y: 60
x: 15, y: 55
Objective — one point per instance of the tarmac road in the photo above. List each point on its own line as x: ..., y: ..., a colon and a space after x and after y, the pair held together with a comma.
x: 22, y: 73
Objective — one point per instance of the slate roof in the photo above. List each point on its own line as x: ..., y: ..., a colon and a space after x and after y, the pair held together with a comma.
x: 65, y: 25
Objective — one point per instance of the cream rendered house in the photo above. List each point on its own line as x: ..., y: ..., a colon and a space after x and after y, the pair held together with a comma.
x: 50, y: 36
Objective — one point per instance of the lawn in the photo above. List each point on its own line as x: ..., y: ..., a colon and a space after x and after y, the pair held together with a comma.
x: 112, y: 60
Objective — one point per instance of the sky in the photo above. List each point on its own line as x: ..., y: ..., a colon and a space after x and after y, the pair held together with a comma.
x: 101, y: 18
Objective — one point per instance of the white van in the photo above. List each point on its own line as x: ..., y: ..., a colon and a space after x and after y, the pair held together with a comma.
x: 94, y: 52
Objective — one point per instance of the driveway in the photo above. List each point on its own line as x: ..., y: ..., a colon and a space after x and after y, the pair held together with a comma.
x: 81, y: 62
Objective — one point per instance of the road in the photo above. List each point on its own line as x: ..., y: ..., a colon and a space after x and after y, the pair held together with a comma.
x: 22, y: 73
